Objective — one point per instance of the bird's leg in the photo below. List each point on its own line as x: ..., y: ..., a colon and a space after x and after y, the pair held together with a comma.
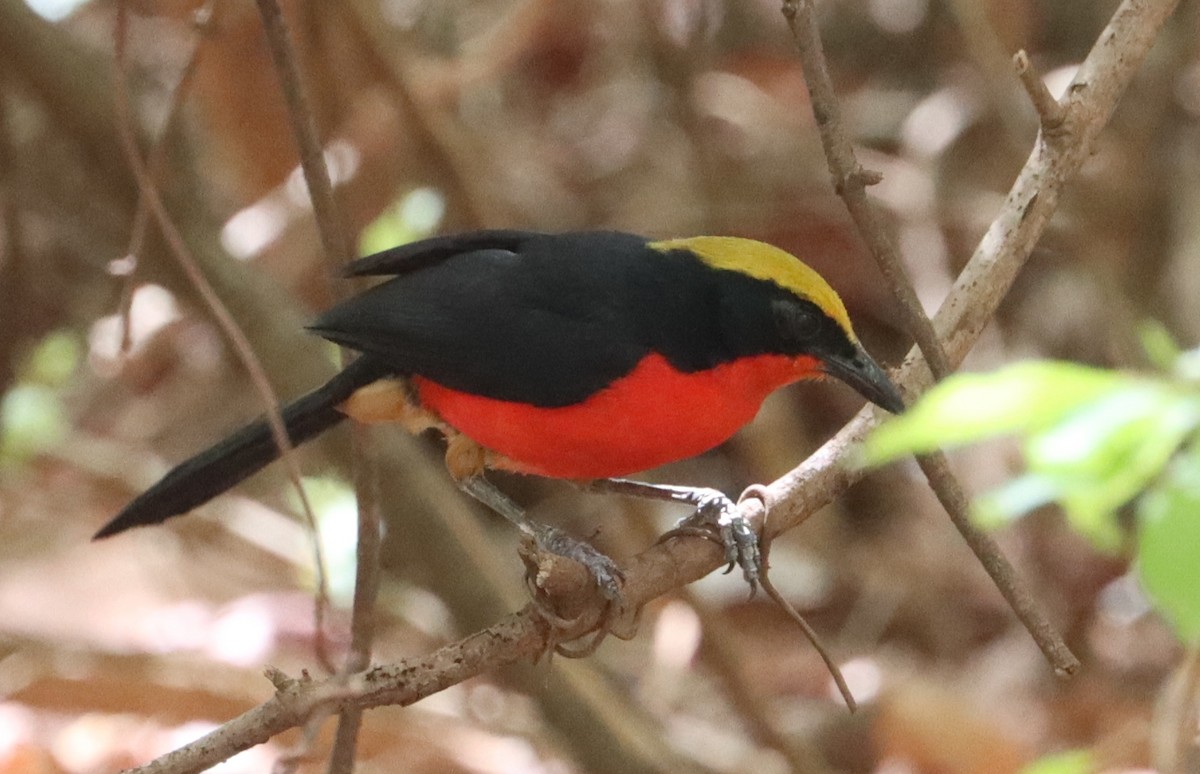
x: 604, y: 571
x: 716, y: 518
x: 466, y: 461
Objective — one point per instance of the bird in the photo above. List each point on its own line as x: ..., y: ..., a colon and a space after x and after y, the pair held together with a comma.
x: 587, y: 356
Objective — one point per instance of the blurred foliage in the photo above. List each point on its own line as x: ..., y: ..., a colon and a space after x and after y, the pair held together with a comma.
x: 1071, y: 762
x: 33, y: 420
x: 413, y: 216
x: 1169, y: 543
x: 33, y: 417
x: 336, y: 510
x: 1094, y: 441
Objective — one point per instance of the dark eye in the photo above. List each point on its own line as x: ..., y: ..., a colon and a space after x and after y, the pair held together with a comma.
x: 796, y: 320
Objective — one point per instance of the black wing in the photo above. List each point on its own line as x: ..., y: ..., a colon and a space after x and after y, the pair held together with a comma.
x: 543, y: 319
x: 425, y: 253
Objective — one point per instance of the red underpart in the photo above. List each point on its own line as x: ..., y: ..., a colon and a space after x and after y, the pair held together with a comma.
x: 652, y: 416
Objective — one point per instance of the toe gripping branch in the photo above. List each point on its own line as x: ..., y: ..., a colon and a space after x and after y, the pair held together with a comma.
x: 603, y: 570
x: 716, y: 518
x: 540, y: 540
x: 542, y: 578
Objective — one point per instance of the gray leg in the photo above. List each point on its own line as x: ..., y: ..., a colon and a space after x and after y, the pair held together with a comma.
x: 603, y: 570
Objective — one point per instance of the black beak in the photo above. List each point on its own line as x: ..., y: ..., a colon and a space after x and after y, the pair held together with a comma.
x: 862, y: 373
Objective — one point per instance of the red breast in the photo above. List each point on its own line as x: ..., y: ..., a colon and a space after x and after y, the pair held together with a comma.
x: 652, y: 416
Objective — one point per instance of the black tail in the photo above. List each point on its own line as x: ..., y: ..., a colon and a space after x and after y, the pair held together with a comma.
x: 211, y: 472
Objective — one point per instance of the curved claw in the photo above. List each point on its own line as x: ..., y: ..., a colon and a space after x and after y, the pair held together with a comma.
x: 560, y: 624
x: 592, y: 645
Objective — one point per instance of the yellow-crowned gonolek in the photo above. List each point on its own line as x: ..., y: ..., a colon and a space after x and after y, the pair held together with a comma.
x: 584, y: 356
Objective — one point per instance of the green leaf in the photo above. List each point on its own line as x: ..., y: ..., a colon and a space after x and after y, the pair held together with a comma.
x: 1018, y: 497
x: 970, y: 407
x: 1100, y: 435
x: 1158, y: 344
x: 1187, y: 366
x: 32, y: 420
x: 413, y: 216
x: 1108, y: 451
x: 1069, y: 762
x: 1094, y: 440
x: 54, y: 359
x: 1169, y: 545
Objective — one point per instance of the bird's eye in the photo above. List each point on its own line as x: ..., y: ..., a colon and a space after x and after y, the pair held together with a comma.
x: 796, y: 321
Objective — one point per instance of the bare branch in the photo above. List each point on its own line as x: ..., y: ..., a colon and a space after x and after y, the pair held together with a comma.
x: 366, y: 479
x: 850, y: 180
x: 304, y: 127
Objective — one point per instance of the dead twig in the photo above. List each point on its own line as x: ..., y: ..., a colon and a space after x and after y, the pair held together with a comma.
x: 148, y: 192
x: 850, y: 183
x: 12, y: 280
x: 760, y: 494
x: 366, y: 480
x: 304, y: 127
x: 1049, y: 110
x: 157, y: 156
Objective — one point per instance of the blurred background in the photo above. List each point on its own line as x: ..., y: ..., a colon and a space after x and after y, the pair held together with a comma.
x: 662, y: 117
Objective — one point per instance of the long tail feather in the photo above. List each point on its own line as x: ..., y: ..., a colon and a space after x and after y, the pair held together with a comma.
x: 217, y: 469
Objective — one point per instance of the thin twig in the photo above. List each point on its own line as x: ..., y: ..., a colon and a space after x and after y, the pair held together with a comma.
x: 1050, y: 111
x: 760, y: 495
x: 157, y: 157
x: 12, y: 280
x: 366, y: 484
x: 843, y: 163
x: 148, y: 191
x: 850, y: 180
x: 452, y: 165
x: 312, y: 161
x: 366, y: 592
x: 985, y: 47
x: 1026, y: 608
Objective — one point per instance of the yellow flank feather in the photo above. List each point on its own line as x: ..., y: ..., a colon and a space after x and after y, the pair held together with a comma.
x: 764, y: 262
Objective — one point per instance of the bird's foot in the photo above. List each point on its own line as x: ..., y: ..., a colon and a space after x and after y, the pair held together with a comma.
x: 718, y: 519
x: 604, y: 571
x: 548, y: 587
x: 554, y: 585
